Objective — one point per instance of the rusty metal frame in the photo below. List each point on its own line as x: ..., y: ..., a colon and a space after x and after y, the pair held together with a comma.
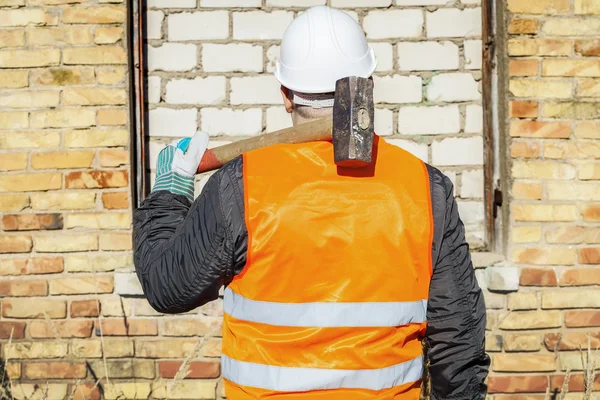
x: 138, y: 89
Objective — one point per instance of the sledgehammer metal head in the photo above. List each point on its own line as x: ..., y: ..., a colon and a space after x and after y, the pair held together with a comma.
x: 353, y: 118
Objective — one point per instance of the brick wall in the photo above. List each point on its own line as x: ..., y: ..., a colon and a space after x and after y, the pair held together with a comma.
x: 553, y: 276
x: 64, y: 193
x: 211, y: 63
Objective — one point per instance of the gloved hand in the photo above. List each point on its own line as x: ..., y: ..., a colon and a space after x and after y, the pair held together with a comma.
x: 177, y: 165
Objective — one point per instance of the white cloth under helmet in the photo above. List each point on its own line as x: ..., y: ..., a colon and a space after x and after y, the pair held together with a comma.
x: 321, y: 46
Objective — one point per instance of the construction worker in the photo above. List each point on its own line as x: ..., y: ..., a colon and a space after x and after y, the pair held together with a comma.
x: 333, y: 278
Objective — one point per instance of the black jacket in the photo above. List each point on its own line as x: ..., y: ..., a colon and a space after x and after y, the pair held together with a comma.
x: 185, y: 253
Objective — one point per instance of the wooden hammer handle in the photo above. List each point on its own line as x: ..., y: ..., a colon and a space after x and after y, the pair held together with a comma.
x: 308, y: 132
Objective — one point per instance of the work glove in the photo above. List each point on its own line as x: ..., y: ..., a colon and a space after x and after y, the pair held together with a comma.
x: 177, y: 165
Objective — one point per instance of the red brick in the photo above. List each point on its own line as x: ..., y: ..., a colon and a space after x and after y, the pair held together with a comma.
x: 20, y: 266
x: 571, y: 340
x: 524, y: 149
x: 538, y: 277
x: 23, y: 288
x: 580, y: 319
x: 97, y: 179
x: 62, y: 329
x: 17, y: 329
x: 518, y: 384
x: 15, y: 244
x: 54, y: 370
x: 591, y: 213
x: 589, y: 255
x: 131, y: 327
x: 580, y: 277
x: 540, y: 129
x: 197, y: 369
x: 575, y: 383
x: 113, y: 201
x: 587, y: 48
x: 85, y: 308
x: 523, y: 67
x: 524, y: 109
x: 32, y: 222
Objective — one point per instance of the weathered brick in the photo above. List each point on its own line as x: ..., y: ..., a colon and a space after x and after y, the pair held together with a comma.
x: 523, y: 109
x: 190, y: 327
x: 62, y: 159
x: 118, y: 348
x: 63, y: 76
x: 587, y: 191
x: 112, y: 117
x: 33, y: 350
x: 587, y: 7
x: 27, y: 16
x: 580, y: 319
x: 204, y: 389
x: 65, y: 118
x: 69, y: 35
x: 123, y: 369
x: 34, y: 308
x: 587, y: 47
x: 108, y: 35
x: 31, y: 391
x: 164, y: 348
x: 526, y: 234
x: 566, y: 234
x: 82, y: 285
x: 13, y: 119
x: 197, y: 369
x: 14, y: 79
x: 522, y: 343
x: 586, y: 68
x: 115, y: 201
x: 60, y: 329
x: 538, y: 129
x: 30, y: 182
x: 94, y: 15
x: 545, y: 256
x: 12, y: 38
x: 542, y: 170
x: 493, y: 343
x: 30, y: 222
x: 571, y: 340
x: 589, y: 255
x: 522, y: 301
x: 98, y: 221
x: 99, y: 263
x: 527, y: 191
x: 53, y: 2
x: 86, y: 348
x: 13, y: 202
x: 588, y: 88
x: 28, y: 140
x: 580, y: 277
x: 591, y: 213
x: 86, y: 391
x: 523, y: 26
x: 94, y: 97
x: 539, y: 47
x: 133, y: 390
x: 110, y: 75
x: 9, y: 329
x: 13, y: 162
x: 66, y: 243
x: 129, y: 327
x: 85, y: 308
x: 538, y: 277
x: 116, y: 241
x: 592, y: 235
x: 531, y: 320
x: 523, y: 363
x: 572, y: 150
x: 29, y: 58
x: 15, y: 244
x: 572, y: 361
x: 32, y: 99
x: 63, y: 201
x: 114, y: 158
x: 571, y: 299
x: 518, y: 384
x: 94, y: 55
x: 97, y: 179
x: 525, y: 149
x: 571, y: 26
x: 589, y: 171
x: 97, y: 138
x: 587, y: 130
x: 575, y: 384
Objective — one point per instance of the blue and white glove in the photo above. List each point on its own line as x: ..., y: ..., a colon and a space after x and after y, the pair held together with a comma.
x: 177, y: 165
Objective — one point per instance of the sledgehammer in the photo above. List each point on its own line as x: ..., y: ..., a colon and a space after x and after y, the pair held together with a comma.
x: 351, y: 130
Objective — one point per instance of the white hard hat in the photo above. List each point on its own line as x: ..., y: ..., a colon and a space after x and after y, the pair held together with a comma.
x: 321, y: 46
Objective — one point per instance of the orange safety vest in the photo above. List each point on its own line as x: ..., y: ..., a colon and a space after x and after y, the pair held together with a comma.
x: 332, y: 301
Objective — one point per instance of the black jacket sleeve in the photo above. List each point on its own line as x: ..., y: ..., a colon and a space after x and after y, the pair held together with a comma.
x: 455, y: 338
x: 184, y: 253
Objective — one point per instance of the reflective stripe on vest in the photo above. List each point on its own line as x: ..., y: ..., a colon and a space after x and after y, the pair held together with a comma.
x: 324, y: 315
x: 332, y: 301
x: 285, y: 379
